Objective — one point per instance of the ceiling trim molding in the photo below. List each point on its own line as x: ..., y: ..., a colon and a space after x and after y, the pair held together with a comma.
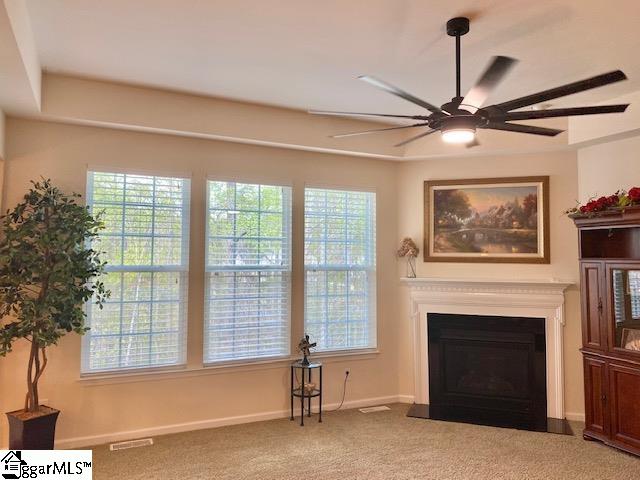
x: 97, y: 103
x: 115, y: 105
x: 204, y: 136
x: 84, y: 101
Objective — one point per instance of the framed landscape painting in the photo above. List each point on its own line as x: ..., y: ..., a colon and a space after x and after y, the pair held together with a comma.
x: 501, y: 220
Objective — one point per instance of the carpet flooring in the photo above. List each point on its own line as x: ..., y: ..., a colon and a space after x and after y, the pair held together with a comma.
x: 376, y: 446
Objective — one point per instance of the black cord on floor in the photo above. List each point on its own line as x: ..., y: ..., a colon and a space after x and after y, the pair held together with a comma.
x: 344, y: 393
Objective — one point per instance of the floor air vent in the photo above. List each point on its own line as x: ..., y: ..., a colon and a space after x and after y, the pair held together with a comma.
x: 381, y: 408
x: 143, y: 442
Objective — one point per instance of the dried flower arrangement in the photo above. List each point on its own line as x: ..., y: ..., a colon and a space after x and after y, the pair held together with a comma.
x: 409, y: 249
x: 617, y: 201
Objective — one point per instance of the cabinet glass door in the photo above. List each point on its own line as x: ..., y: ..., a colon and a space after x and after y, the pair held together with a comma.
x: 626, y: 308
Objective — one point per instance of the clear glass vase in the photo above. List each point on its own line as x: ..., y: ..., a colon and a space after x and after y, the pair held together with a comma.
x: 411, y: 266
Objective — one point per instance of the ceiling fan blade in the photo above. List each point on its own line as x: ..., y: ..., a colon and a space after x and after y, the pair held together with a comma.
x: 562, y: 112
x: 514, y: 127
x: 398, y: 92
x: 428, y: 132
x: 568, y: 89
x: 497, y: 70
x: 352, y: 134
x: 357, y: 114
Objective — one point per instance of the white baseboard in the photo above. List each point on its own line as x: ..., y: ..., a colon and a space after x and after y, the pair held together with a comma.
x: 77, y: 442
x: 576, y: 417
x: 406, y: 398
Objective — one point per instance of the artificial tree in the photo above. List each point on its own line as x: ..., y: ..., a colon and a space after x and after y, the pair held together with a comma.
x: 48, y: 270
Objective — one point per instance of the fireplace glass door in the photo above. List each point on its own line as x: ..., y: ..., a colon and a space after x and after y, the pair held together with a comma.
x: 625, y: 284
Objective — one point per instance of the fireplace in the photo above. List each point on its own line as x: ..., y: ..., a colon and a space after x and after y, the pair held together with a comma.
x: 488, y: 370
x: 540, y: 300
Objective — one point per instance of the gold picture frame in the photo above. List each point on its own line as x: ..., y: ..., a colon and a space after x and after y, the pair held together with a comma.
x: 487, y: 220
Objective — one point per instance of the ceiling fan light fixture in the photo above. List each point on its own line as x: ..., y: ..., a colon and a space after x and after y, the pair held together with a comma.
x: 458, y: 135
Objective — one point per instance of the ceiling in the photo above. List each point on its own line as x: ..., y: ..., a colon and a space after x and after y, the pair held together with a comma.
x: 307, y: 54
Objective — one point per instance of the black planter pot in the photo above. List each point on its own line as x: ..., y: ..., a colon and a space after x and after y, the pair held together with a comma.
x: 37, y: 433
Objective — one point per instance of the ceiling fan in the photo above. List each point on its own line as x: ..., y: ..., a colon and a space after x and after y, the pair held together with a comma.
x: 459, y: 119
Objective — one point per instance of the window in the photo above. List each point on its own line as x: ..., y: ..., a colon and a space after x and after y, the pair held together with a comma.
x: 248, y: 271
x: 145, y: 243
x: 634, y: 293
x: 340, y: 272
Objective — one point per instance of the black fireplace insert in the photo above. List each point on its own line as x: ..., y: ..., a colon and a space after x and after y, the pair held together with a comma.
x: 488, y: 370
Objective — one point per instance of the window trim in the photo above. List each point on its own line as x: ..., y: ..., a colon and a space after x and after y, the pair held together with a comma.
x: 152, y: 172
x: 161, y: 374
x: 252, y: 268
x: 267, y: 180
x: 183, y: 268
x: 373, y: 323
x: 189, y: 368
x: 342, y: 187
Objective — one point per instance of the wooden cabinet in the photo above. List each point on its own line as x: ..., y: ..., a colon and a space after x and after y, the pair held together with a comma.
x: 595, y: 396
x: 610, y: 295
x: 624, y: 392
x: 594, y: 329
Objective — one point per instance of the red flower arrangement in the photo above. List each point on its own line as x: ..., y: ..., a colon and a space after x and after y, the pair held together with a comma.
x: 619, y: 200
x: 601, y: 203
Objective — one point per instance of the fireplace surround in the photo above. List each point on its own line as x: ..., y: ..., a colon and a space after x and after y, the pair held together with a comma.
x: 541, y: 299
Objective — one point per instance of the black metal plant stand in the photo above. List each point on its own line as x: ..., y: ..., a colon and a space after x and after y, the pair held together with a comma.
x: 299, y: 392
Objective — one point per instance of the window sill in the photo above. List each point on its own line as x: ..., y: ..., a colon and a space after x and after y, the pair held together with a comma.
x: 336, y: 355
x: 114, y: 378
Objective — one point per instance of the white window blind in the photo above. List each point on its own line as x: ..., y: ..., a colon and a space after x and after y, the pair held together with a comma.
x: 340, y: 268
x: 634, y: 293
x: 146, y: 247
x: 248, y: 271
x: 619, y: 296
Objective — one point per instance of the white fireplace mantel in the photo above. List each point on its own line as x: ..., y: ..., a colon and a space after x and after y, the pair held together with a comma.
x: 537, y: 298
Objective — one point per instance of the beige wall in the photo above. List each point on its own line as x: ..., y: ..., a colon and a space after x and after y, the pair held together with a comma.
x: 562, y: 169
x: 2, y: 156
x: 605, y: 168
x: 3, y: 382
x: 2, y: 120
x: 98, y: 408
x: 118, y: 105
